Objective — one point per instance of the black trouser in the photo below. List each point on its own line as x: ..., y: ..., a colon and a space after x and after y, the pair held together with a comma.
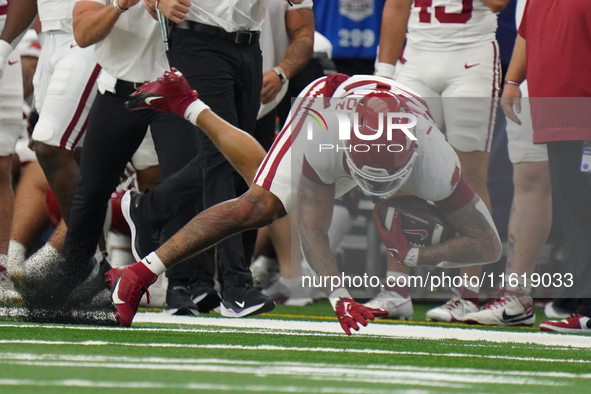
x: 571, y: 190
x: 228, y: 78
x: 112, y: 137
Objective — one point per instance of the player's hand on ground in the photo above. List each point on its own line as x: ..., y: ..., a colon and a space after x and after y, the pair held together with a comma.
x: 393, y: 238
x: 271, y: 86
x: 175, y: 10
x: 511, y: 99
x: 351, y: 314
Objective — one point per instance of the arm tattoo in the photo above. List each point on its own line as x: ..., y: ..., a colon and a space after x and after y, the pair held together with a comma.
x: 301, y: 36
x: 214, y: 225
x: 475, y: 241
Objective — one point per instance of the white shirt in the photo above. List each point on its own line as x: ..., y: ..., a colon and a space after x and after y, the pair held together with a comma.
x: 133, y: 51
x: 435, y: 171
x: 431, y: 28
x: 230, y: 15
x: 56, y: 15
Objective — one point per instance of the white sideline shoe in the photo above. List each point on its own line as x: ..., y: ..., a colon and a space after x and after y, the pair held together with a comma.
x: 398, y: 307
x: 514, y: 308
x: 453, y: 310
x: 552, y: 312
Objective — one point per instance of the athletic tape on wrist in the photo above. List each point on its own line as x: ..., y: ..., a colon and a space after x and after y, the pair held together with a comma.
x: 194, y: 109
x: 336, y: 295
x: 412, y: 257
x: 384, y: 70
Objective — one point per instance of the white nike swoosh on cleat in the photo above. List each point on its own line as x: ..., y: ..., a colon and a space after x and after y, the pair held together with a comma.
x: 148, y: 100
x: 116, y: 299
x: 240, y: 304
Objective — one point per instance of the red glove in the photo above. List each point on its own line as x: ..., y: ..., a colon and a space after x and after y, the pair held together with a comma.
x: 394, y: 239
x: 350, y: 313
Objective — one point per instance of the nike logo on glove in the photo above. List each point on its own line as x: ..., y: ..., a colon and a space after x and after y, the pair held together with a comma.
x: 10, y: 63
x: 240, y: 304
x: 116, y: 299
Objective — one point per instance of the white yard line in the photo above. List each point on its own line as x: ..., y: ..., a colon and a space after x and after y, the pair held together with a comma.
x: 193, y: 386
x: 299, y: 327
x: 288, y: 348
x: 10, y: 357
x: 313, y: 371
x: 408, y: 331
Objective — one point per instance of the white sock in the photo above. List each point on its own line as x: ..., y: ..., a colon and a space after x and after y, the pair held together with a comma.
x: 16, y: 254
x: 194, y: 109
x: 39, y: 264
x: 521, y: 283
x: 153, y: 263
x: 4, y: 261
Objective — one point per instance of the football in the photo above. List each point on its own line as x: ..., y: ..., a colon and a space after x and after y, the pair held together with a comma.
x: 422, y: 221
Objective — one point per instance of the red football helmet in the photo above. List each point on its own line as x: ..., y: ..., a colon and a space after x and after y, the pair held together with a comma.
x: 380, y: 166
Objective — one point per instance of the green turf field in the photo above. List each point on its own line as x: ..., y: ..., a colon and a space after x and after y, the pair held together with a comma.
x: 289, y: 350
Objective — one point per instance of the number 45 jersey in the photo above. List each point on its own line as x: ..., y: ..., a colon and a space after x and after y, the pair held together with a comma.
x: 443, y: 25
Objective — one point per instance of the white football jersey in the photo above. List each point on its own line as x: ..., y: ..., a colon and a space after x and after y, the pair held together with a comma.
x: 436, y: 170
x: 56, y: 15
x: 442, y: 25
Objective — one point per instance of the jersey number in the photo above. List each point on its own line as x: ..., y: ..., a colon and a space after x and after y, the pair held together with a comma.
x: 442, y: 16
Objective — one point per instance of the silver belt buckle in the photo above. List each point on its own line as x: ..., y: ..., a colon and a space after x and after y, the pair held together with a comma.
x: 239, y: 34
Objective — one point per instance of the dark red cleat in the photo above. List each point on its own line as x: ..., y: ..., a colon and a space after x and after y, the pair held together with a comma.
x: 129, y: 284
x: 169, y: 93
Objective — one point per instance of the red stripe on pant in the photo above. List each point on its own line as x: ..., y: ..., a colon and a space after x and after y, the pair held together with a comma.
x: 495, y: 94
x: 277, y: 159
x: 81, y: 104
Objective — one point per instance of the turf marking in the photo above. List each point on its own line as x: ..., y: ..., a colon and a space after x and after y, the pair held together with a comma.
x: 286, y: 348
x: 174, y: 360
x: 315, y: 371
x: 382, y: 330
x: 196, y: 386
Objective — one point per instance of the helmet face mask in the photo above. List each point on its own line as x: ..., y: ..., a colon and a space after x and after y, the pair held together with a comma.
x: 379, y: 172
x: 383, y: 185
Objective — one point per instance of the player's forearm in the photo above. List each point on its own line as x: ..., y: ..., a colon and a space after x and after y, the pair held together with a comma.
x: 241, y: 149
x: 315, y: 206
x: 21, y: 14
x: 93, y: 22
x: 475, y: 242
x: 393, y: 30
x: 517, y: 67
x: 300, y: 28
x: 496, y: 5
x: 251, y: 210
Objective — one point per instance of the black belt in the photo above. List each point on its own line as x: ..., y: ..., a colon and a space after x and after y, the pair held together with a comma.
x: 125, y: 88
x: 237, y: 37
